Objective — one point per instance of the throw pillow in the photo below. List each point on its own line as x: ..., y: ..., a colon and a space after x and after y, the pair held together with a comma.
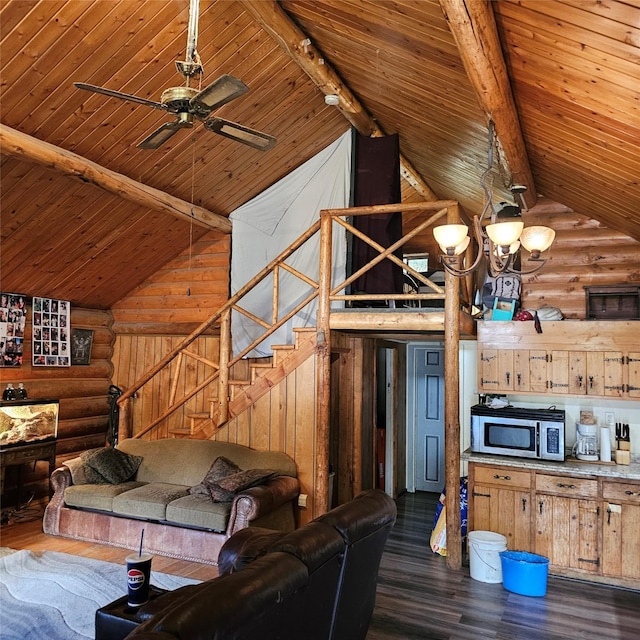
x: 220, y: 468
x: 109, y: 465
x: 225, y: 489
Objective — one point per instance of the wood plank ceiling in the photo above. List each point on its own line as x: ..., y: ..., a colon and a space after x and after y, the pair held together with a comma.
x: 573, y: 67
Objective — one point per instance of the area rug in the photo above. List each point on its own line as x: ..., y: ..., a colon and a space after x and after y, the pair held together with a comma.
x: 54, y: 596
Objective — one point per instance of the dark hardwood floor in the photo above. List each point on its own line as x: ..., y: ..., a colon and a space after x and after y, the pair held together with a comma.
x: 418, y: 597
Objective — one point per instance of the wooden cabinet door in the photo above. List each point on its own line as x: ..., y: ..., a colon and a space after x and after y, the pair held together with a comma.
x: 538, y: 379
x: 559, y: 374
x: 521, y: 370
x: 621, y: 530
x: 577, y: 372
x: 566, y: 521
x: 488, y: 370
x: 504, y: 511
x: 501, y: 502
x: 567, y: 532
x: 632, y: 361
x: 613, y: 370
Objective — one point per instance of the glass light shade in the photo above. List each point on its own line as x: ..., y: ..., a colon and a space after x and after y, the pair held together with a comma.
x: 449, y: 236
x: 512, y: 248
x: 462, y: 247
x: 537, y: 238
x: 504, y: 234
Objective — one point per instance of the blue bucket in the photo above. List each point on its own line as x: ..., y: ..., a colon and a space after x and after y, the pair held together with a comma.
x: 524, y: 573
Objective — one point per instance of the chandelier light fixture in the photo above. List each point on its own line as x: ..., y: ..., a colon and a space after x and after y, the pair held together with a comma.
x: 498, y: 242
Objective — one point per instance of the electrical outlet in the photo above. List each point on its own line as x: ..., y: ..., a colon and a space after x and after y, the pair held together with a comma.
x: 609, y: 417
x: 302, y: 500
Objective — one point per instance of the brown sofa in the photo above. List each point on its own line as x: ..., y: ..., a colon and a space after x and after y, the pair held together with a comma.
x: 157, y: 499
x: 316, y: 583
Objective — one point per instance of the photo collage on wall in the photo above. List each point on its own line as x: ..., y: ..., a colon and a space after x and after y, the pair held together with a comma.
x: 51, y: 322
x: 13, y: 318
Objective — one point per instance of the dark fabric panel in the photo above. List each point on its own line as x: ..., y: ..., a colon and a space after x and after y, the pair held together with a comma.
x: 377, y: 181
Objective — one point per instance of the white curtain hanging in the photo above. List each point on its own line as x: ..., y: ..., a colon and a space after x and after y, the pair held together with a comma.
x: 266, y: 225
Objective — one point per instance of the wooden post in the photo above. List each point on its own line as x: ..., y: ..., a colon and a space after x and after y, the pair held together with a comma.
x: 124, y: 421
x: 225, y: 357
x: 323, y: 367
x: 452, y: 410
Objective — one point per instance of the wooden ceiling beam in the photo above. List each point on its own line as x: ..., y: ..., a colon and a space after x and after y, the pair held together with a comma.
x: 473, y: 26
x: 299, y: 47
x: 25, y: 147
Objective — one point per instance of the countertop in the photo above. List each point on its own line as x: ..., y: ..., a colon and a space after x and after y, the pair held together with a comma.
x: 571, y: 466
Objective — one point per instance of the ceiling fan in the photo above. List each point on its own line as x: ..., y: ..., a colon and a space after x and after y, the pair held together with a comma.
x: 190, y: 104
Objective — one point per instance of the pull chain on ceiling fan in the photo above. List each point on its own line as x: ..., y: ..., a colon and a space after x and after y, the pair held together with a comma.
x: 190, y: 104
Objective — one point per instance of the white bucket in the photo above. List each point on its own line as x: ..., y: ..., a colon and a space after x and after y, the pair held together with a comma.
x: 484, y: 555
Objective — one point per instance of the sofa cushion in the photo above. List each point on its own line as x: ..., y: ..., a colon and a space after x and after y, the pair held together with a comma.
x: 96, y: 496
x: 193, y: 511
x: 108, y: 465
x: 220, y: 468
x: 148, y: 501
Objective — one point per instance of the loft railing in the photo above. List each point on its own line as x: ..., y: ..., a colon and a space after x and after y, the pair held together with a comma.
x: 176, y: 368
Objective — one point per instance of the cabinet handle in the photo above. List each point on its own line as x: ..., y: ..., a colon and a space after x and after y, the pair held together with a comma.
x: 590, y: 382
x: 541, y: 503
x: 608, y: 515
x: 519, y: 376
x: 566, y: 486
x: 497, y: 477
x: 632, y: 493
x: 524, y: 504
x: 580, y: 379
x: 508, y: 375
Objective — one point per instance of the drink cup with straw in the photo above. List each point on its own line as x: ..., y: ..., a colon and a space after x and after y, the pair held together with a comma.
x: 138, y: 576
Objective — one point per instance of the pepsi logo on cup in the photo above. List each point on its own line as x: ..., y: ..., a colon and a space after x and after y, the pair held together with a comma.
x: 136, y: 579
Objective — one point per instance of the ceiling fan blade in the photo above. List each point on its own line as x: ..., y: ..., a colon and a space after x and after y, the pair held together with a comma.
x: 219, y: 92
x: 119, y: 94
x: 251, y: 137
x: 162, y: 134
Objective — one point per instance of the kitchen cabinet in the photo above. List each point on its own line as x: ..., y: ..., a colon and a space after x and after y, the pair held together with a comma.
x: 621, y: 529
x: 567, y: 514
x: 595, y: 358
x: 587, y: 525
x: 502, y: 503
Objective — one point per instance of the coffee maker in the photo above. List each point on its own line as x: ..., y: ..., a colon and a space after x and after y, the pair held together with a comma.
x: 586, y: 446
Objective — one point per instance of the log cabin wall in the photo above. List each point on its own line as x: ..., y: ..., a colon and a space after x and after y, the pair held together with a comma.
x: 584, y: 253
x: 81, y: 389
x: 181, y: 295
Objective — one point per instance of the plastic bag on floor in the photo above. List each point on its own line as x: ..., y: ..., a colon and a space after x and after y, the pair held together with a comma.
x: 438, y: 539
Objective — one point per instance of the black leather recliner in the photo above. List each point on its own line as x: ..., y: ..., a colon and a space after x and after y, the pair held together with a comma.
x: 317, y: 582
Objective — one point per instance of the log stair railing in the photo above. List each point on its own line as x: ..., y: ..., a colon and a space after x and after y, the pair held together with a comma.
x: 204, y: 392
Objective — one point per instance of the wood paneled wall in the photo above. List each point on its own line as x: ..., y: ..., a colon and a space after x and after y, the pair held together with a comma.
x: 584, y: 253
x: 181, y: 295
x: 81, y: 389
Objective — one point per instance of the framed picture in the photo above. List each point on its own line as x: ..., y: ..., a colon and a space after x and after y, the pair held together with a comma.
x: 81, y: 340
x: 51, y: 320
x: 13, y: 316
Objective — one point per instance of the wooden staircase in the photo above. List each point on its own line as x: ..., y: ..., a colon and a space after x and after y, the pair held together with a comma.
x: 260, y: 378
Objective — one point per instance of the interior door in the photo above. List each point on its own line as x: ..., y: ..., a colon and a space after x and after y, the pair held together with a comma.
x: 427, y: 386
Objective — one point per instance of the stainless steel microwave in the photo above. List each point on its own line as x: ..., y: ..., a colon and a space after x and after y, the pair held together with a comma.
x: 513, y: 431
